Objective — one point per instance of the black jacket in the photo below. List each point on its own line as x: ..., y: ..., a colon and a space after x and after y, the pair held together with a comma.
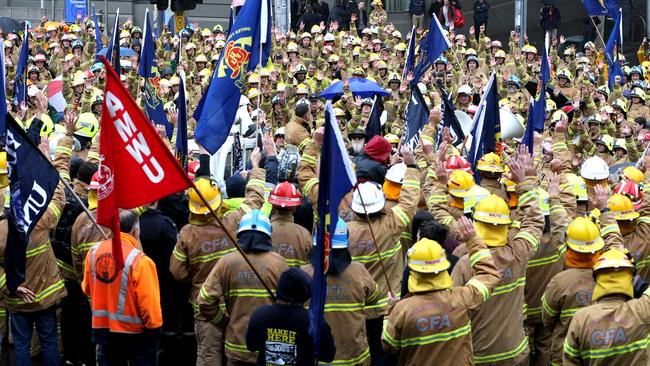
x: 370, y: 169
x: 280, y: 333
x: 481, y: 11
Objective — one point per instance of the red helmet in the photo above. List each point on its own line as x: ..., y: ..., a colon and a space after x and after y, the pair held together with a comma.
x: 631, y: 190
x: 285, y: 194
x: 94, y: 181
x: 192, y: 168
x: 458, y: 162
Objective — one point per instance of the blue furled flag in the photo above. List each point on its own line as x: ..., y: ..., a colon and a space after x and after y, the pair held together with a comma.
x: 3, y: 98
x: 432, y: 47
x: 336, y: 179
x: 32, y: 182
x: 417, y: 116
x: 529, y: 133
x: 113, y: 52
x: 449, y: 118
x: 181, y: 124
x: 545, y: 70
x: 539, y: 112
x: 600, y: 7
x: 251, y: 34
x: 410, y: 56
x: 98, y: 34
x: 20, y: 86
x: 486, y: 128
x: 153, y: 104
x: 374, y: 127
x: 612, y: 51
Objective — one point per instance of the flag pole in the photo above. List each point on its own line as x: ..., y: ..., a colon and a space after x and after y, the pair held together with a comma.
x: 142, y: 83
x: 259, y: 73
x: 374, y: 241
x: 231, y: 238
x: 88, y: 213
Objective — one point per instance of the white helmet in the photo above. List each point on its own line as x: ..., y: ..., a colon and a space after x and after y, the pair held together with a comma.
x: 594, y: 168
x: 373, y: 197
x: 465, y: 89
x: 396, y: 173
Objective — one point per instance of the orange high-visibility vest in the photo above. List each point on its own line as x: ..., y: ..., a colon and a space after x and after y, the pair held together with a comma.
x: 112, y: 291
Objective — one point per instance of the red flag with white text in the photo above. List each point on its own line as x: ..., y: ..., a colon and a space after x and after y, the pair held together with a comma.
x: 136, y: 167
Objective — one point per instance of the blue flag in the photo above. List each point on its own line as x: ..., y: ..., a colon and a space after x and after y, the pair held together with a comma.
x: 545, y: 70
x: 98, y: 34
x: 20, y: 86
x: 536, y: 119
x: 612, y: 52
x: 374, y: 127
x: 417, y: 116
x: 3, y: 98
x: 181, y: 124
x: 486, y: 128
x: 431, y: 47
x: 32, y: 182
x: 113, y: 52
x: 336, y: 179
x: 251, y: 34
x: 600, y: 7
x: 153, y: 104
x: 410, y: 56
x: 449, y: 118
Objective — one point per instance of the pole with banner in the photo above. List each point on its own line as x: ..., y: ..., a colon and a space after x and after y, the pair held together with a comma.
x: 179, y: 21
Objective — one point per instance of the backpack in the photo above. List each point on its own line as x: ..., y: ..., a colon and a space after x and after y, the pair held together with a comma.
x: 459, y: 18
x: 62, y: 234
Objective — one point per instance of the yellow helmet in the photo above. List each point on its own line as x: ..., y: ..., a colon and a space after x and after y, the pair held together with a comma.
x: 544, y: 201
x: 201, y: 58
x: 490, y: 162
x: 48, y: 125
x: 578, y: 186
x: 253, y: 93
x: 550, y: 105
x: 558, y: 116
x: 87, y: 125
x: 475, y: 194
x: 565, y: 73
x: 606, y: 140
x: 583, y: 236
x: 470, y: 52
x: 613, y: 259
x: 3, y: 162
x: 638, y: 92
x: 492, y: 210
x: 634, y: 174
x: 292, y: 47
x: 400, y: 47
x: 392, y: 139
x: 254, y: 78
x: 622, y: 207
x: 427, y: 256
x: 210, y: 192
x: 621, y: 104
x: 500, y: 54
x: 204, y: 73
x: 459, y: 183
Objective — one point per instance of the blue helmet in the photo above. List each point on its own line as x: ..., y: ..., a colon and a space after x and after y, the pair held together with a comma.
x: 637, y: 70
x: 257, y: 221
x: 340, y: 238
x: 441, y: 59
x: 514, y: 79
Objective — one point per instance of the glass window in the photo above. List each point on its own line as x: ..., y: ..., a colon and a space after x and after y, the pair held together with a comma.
x: 396, y: 6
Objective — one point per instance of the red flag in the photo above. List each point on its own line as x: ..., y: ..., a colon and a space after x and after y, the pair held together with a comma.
x: 136, y: 168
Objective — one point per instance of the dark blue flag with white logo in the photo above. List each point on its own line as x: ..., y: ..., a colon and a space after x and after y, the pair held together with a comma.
x: 486, y: 128
x: 431, y: 47
x: 449, y: 118
x: 374, y: 127
x: 410, y: 57
x: 32, y: 182
x: 113, y: 52
x: 613, y: 51
x: 417, y: 116
x: 98, y: 34
x: 3, y: 97
x: 181, y: 124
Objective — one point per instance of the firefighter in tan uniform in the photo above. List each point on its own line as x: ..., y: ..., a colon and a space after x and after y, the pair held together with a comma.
x: 571, y: 289
x: 497, y: 326
x: 387, y: 226
x: 202, y: 243
x: 289, y: 239
x: 614, y: 330
x: 350, y: 289
x: 233, y: 281
x: 298, y: 130
x: 432, y: 325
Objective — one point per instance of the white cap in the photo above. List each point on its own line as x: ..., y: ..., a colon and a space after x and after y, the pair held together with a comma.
x: 396, y: 173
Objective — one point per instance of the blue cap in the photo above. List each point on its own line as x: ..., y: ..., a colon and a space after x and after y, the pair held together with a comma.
x: 340, y: 238
x: 255, y: 220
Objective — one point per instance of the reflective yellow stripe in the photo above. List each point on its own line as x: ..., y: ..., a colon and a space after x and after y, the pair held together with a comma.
x: 38, y: 250
x: 3, y: 280
x: 401, y: 215
x: 503, y: 355
x: 236, y: 348
x: 55, y: 210
x: 422, y: 164
x: 529, y: 237
x: 411, y: 183
x: 424, y: 340
x: 63, y: 150
x: 533, y: 311
x: 295, y: 262
x: 476, y: 257
x: 381, y: 303
x: 353, y: 361
x: 83, y: 247
x: 543, y: 261
x: 210, y: 257
x: 256, y: 182
x: 504, y: 289
x: 552, y: 312
x: 447, y: 220
x: 569, y: 313
x: 303, y: 143
x: 609, y: 229
x: 437, y: 198
x: 248, y: 292
x: 570, y: 350
x: 308, y: 159
x: 310, y: 184
x: 65, y: 266
x: 526, y: 197
x: 481, y: 287
x: 643, y: 262
x: 179, y: 255
x: 332, y: 307
x: 58, y: 285
x: 559, y: 146
x: 374, y: 257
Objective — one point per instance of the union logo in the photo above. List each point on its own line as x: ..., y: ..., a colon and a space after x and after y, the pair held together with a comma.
x: 153, y: 90
x: 106, y: 181
x: 235, y: 57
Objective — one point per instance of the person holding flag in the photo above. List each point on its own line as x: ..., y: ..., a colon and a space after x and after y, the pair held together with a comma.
x: 30, y: 275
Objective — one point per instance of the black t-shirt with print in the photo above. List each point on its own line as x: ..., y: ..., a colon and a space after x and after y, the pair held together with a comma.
x: 280, y: 333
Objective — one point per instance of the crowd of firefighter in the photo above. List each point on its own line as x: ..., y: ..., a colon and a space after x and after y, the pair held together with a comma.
x: 517, y: 260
